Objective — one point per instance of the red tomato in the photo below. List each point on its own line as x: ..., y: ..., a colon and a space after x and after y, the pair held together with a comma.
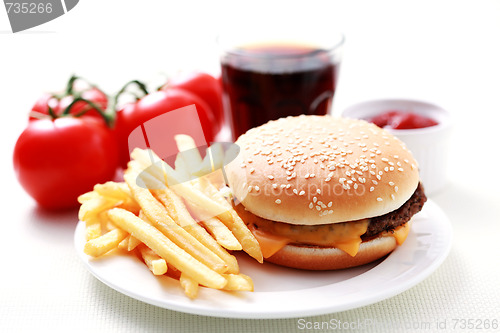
x: 157, y: 103
x: 57, y: 160
x: 60, y: 102
x: 206, y: 87
x: 94, y: 95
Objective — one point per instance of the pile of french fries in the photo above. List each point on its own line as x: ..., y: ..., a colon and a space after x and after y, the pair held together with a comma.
x: 176, y: 220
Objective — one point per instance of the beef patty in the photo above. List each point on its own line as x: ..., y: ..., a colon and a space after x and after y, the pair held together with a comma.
x: 397, y: 217
x: 376, y: 225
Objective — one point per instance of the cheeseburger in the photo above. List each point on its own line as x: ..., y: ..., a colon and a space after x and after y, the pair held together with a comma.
x: 322, y: 193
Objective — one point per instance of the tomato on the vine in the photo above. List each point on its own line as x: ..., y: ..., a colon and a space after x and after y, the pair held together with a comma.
x: 56, y: 104
x: 155, y: 104
x: 205, y: 86
x: 57, y: 160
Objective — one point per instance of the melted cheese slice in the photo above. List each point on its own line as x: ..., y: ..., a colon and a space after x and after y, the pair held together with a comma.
x: 400, y: 233
x: 269, y: 244
x: 273, y: 236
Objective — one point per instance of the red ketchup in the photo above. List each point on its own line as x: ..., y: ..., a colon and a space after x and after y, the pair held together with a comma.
x: 402, y: 120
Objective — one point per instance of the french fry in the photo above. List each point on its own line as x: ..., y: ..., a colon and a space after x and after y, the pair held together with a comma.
x: 156, y: 264
x: 214, y: 160
x: 86, y: 196
x: 93, y: 231
x: 133, y: 243
x: 238, y: 282
x: 117, y: 191
x: 189, y: 285
x: 90, y: 209
x: 235, y: 223
x: 123, y: 245
x: 181, y: 168
x: 157, y: 214
x: 178, y: 211
x: 188, y: 151
x: 222, y: 234
x: 105, y: 243
x: 165, y: 248
x: 183, y: 189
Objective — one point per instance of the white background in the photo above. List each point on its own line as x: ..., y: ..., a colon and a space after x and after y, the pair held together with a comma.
x: 445, y: 52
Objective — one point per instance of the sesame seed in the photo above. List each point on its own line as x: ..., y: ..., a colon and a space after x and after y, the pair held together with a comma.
x: 315, y: 199
x: 379, y: 199
x: 318, y: 191
x: 311, y: 205
x: 302, y: 192
x: 278, y: 201
x: 392, y: 169
x: 385, y: 159
x: 270, y: 177
x: 391, y: 183
x: 393, y: 197
x: 318, y: 208
x: 372, y: 189
x: 386, y: 169
x: 275, y: 185
x: 282, y: 185
x: 252, y: 170
x: 295, y: 191
x: 243, y: 165
x: 395, y: 188
x: 401, y: 169
x: 257, y: 188
x: 288, y: 185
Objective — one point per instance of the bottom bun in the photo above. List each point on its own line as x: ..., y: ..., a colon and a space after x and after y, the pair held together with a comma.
x: 321, y: 258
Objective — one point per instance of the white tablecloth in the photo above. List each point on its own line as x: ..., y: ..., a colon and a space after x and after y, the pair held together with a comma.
x: 443, y: 52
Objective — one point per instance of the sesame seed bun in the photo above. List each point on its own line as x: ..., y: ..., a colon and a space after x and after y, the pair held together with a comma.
x: 311, y: 170
x: 328, y: 258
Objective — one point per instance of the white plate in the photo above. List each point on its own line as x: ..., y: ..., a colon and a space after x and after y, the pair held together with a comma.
x: 283, y: 292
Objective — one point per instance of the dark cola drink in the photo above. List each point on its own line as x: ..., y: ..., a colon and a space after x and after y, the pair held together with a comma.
x: 263, y: 83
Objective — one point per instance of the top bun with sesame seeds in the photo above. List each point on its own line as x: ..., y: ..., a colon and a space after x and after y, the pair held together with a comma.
x: 321, y: 182
x: 311, y: 170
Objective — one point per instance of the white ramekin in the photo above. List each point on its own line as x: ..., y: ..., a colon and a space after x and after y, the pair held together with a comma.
x: 429, y: 145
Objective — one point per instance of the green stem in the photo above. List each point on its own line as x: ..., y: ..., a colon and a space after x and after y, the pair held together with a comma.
x: 51, y: 113
x: 107, y: 118
x: 70, y: 85
x: 142, y: 87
